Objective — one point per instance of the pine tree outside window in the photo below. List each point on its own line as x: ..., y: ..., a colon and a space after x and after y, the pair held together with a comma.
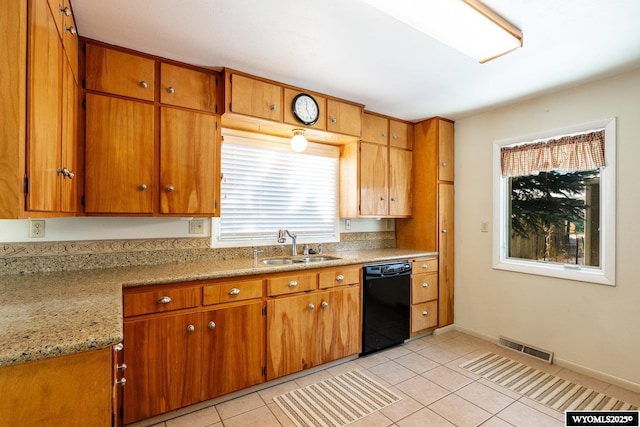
x: 554, y: 197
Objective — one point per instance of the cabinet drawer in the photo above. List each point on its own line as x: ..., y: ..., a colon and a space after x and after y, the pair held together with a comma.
x: 160, y: 300
x: 424, y: 287
x: 290, y: 284
x: 426, y: 265
x: 343, y: 118
x: 424, y: 316
x: 375, y: 129
x: 400, y: 135
x: 119, y: 73
x: 255, y: 98
x: 187, y: 88
x: 231, y: 291
x: 338, y: 276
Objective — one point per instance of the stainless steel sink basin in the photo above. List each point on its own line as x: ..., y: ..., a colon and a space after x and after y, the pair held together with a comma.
x: 277, y: 261
x: 281, y: 261
x: 315, y: 258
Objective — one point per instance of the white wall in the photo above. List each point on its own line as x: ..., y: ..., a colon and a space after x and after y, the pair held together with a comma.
x: 590, y: 327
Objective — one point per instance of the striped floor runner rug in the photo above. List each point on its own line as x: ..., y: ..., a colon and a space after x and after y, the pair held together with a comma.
x: 550, y: 390
x: 335, y: 402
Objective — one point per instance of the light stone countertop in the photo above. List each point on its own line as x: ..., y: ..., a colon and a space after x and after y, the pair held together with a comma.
x: 54, y: 314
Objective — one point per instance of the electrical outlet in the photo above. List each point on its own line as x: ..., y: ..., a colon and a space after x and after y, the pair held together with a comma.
x: 347, y: 224
x: 196, y: 226
x: 36, y: 228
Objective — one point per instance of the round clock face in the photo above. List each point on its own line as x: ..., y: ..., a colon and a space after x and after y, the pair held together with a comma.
x: 305, y: 109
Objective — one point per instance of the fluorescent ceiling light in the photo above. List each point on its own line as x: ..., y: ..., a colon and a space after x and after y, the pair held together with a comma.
x: 465, y: 25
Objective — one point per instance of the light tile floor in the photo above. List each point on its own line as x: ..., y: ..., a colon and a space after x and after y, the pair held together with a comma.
x: 435, y: 391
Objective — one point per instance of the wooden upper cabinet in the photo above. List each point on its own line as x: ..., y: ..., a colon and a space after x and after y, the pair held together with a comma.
x: 119, y: 155
x: 290, y: 94
x: 445, y: 150
x: 189, y: 162
x: 400, y: 177
x: 400, y: 134
x: 184, y: 87
x: 119, y: 73
x: 343, y: 117
x: 254, y: 97
x: 375, y: 128
x: 44, y: 88
x: 374, y: 189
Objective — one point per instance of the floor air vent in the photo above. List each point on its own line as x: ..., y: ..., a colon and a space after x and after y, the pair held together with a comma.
x: 544, y: 355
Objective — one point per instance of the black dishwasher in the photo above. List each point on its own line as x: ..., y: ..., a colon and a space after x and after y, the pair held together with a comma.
x: 386, y: 305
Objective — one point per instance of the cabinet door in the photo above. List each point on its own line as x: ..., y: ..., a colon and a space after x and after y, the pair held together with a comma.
x: 400, y: 177
x: 373, y: 179
x: 44, y: 110
x: 445, y: 151
x: 68, y: 196
x: 188, y: 88
x: 119, y: 73
x: 400, y: 134
x: 375, y: 129
x: 233, y: 349
x: 290, y: 328
x: 164, y: 361
x: 119, y: 155
x: 189, y: 162
x: 424, y: 287
x: 343, y: 118
x: 445, y: 254
x: 424, y: 316
x: 338, y: 330
x: 255, y: 98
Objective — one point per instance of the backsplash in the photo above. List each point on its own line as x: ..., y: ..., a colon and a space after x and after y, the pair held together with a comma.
x: 26, y: 258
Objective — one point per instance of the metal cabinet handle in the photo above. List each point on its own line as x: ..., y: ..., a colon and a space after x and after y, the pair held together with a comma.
x: 273, y: 107
x: 444, y: 164
x: 142, y: 187
x: 334, y: 120
x: 325, y: 304
x: 72, y: 30
x: 234, y: 291
x: 393, y: 199
x: 425, y: 285
x: 444, y: 230
x: 66, y: 173
x: 293, y: 284
x: 311, y: 306
x: 164, y: 300
x: 394, y: 136
x: 382, y: 198
x: 170, y: 188
x: 425, y: 266
x: 212, y: 325
x: 118, y: 347
x: 121, y: 382
x: 339, y: 277
x: 424, y: 313
x: 383, y: 134
x: 65, y: 10
x: 144, y: 84
x: 191, y: 328
x: 171, y: 89
x: 121, y: 367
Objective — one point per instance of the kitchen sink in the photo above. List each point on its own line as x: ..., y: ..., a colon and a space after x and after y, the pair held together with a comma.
x: 307, y: 259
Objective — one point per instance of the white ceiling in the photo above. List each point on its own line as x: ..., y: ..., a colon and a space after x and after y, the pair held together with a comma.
x: 348, y: 49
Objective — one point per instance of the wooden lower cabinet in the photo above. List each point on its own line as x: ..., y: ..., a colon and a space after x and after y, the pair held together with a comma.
x: 233, y: 349
x: 424, y: 295
x: 73, y: 390
x: 164, y: 362
x: 307, y: 330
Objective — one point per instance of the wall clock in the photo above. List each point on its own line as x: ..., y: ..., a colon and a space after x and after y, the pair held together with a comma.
x: 305, y: 109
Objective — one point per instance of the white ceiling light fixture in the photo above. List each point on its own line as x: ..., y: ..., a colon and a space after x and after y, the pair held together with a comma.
x: 298, y: 141
x: 465, y: 25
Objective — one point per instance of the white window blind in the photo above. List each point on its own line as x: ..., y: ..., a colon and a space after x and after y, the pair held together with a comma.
x: 266, y: 187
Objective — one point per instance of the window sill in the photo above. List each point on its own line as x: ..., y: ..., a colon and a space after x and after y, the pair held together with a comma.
x: 560, y: 271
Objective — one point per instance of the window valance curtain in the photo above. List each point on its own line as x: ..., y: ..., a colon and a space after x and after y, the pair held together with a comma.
x: 569, y: 154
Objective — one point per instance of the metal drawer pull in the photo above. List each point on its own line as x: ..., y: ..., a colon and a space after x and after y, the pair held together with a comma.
x: 339, y: 277
x: 425, y: 285
x: 170, y: 89
x: 424, y: 313
x: 293, y: 284
x: 425, y: 266
x: 325, y: 304
x: 118, y: 347
x: 273, y: 107
x: 122, y: 367
x: 212, y: 325
x: 234, y: 291
x: 164, y: 300
x: 311, y: 306
x: 191, y: 328
x: 144, y: 84
x: 121, y: 382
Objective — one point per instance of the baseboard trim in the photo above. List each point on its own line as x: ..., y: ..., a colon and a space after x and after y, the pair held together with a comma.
x: 611, y: 379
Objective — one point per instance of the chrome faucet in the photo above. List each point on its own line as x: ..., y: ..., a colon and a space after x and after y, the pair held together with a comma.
x: 282, y: 236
